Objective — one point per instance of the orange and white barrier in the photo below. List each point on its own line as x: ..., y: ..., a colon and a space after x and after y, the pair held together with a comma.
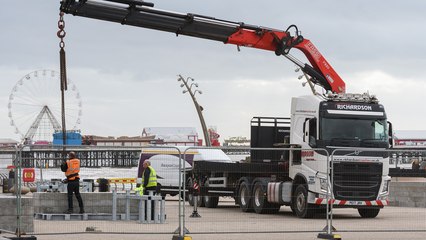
x: 380, y: 203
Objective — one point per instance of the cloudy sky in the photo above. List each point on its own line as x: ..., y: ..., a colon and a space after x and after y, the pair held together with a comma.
x: 127, y: 76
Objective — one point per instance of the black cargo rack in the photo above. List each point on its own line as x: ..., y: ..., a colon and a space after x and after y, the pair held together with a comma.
x: 269, y: 132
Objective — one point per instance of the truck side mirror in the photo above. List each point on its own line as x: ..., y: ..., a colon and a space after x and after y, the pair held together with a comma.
x: 390, y: 134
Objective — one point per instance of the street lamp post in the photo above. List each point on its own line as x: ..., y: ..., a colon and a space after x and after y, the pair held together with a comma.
x: 192, y: 92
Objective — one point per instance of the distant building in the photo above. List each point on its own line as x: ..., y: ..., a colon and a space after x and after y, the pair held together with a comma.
x: 122, y: 141
x: 7, y: 142
x: 237, y: 142
x: 6, y: 159
x: 410, y: 138
x: 410, y: 141
x: 176, y: 136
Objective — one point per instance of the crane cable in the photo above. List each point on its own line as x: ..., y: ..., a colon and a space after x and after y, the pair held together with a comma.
x: 63, y: 78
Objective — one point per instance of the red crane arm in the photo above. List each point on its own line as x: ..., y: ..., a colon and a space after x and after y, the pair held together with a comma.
x: 270, y: 40
x: 142, y: 14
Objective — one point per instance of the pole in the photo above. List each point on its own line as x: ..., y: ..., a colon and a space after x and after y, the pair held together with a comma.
x: 18, y: 190
x: 199, y: 111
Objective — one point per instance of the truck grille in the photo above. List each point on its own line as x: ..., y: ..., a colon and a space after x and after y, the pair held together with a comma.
x: 357, y: 181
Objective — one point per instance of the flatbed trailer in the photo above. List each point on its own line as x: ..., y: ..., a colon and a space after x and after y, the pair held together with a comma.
x: 224, y: 179
x: 267, y: 162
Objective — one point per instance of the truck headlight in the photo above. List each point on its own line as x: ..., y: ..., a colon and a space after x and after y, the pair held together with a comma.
x: 323, y: 184
x: 386, y: 186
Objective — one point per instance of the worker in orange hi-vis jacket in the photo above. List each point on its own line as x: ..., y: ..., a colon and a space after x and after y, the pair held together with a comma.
x: 71, y: 167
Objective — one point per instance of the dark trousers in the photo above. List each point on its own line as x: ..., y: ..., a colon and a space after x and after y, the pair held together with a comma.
x: 74, y: 187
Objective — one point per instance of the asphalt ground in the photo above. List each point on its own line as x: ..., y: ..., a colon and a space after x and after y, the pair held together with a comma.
x: 228, y: 222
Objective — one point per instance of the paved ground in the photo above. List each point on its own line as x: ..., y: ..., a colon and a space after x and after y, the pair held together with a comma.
x: 228, y: 222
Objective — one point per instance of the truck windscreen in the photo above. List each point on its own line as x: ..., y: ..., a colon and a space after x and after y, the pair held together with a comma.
x: 354, y: 132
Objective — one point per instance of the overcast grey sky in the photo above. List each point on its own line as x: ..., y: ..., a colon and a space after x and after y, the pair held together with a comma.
x: 127, y: 76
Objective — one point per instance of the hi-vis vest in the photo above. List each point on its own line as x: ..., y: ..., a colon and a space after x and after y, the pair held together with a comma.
x: 139, y: 190
x: 73, y: 169
x: 152, y: 181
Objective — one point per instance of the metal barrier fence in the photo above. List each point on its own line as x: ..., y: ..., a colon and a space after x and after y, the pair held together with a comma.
x: 272, y: 193
x: 235, y: 188
x: 399, y: 205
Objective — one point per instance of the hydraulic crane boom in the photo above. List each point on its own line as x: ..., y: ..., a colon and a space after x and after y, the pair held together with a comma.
x: 142, y: 14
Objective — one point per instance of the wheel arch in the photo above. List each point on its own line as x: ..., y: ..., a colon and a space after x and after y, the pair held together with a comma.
x: 249, y: 180
x: 298, y: 180
x: 263, y: 181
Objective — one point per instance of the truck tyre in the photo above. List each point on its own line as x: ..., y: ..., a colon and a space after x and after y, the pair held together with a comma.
x: 368, y: 212
x: 189, y: 195
x: 159, y: 192
x: 300, y: 202
x: 244, y: 197
x: 191, y: 200
x: 260, y: 203
x: 292, y: 208
x: 181, y: 196
x: 210, y: 201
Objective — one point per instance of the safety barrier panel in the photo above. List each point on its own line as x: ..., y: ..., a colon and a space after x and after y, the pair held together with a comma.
x: 151, y: 208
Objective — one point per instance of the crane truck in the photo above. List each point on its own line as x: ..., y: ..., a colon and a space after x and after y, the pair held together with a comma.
x: 297, y: 175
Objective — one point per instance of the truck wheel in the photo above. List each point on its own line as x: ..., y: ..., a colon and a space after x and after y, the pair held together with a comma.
x: 189, y: 195
x: 181, y: 196
x: 300, y: 202
x: 159, y: 192
x: 191, y: 200
x: 211, y: 201
x: 292, y: 208
x: 244, y: 197
x: 368, y: 212
x: 260, y: 203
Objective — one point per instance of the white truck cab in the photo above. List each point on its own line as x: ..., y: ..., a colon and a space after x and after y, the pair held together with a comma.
x: 335, y: 123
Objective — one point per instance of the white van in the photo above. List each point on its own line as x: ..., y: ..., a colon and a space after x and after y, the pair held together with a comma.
x: 165, y: 161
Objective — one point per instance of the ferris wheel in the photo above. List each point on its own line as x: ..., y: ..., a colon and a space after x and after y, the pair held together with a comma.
x: 35, y: 106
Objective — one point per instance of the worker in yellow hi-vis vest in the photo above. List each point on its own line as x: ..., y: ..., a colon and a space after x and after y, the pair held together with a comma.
x: 149, y: 180
x: 147, y: 183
